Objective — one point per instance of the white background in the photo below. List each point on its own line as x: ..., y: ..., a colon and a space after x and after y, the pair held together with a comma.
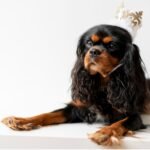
x: 38, y: 41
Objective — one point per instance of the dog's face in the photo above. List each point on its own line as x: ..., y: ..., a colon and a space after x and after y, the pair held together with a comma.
x: 102, y: 48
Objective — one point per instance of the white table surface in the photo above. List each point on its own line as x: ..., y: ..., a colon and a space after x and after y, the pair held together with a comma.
x: 67, y: 136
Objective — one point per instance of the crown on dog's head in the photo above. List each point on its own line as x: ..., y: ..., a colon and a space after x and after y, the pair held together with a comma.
x: 128, y: 19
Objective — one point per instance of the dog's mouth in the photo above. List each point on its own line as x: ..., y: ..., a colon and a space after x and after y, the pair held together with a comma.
x: 104, y: 64
x: 93, y: 68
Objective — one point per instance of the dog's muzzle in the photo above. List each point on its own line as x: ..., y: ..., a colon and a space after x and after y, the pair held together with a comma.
x: 95, y: 51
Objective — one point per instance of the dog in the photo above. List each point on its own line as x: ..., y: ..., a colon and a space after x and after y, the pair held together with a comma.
x: 108, y: 85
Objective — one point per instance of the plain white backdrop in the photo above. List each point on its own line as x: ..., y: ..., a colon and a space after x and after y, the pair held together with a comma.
x: 38, y: 41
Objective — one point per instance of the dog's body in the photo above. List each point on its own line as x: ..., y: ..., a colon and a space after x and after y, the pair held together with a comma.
x: 108, y: 84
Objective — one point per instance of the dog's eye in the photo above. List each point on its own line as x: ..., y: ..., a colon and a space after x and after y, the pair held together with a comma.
x: 112, y: 45
x: 89, y: 43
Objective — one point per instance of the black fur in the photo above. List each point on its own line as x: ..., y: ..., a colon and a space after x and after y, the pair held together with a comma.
x: 126, y: 90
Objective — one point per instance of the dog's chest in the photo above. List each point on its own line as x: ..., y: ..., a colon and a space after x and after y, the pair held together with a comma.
x: 95, y: 112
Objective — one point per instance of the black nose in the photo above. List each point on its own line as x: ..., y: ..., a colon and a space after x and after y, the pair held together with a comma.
x: 95, y: 52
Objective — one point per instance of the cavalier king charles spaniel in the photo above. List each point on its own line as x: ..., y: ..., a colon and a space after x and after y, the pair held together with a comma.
x: 108, y: 85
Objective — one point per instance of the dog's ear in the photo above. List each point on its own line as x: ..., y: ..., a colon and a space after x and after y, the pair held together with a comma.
x: 132, y: 61
x: 80, y: 46
x: 134, y: 66
x: 128, y: 85
x: 78, y: 52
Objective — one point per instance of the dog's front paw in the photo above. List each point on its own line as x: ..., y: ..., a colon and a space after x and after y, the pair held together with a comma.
x: 110, y: 135
x: 18, y: 123
x: 105, y: 137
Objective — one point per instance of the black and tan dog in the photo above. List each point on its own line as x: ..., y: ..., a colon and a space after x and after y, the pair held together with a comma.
x: 108, y: 84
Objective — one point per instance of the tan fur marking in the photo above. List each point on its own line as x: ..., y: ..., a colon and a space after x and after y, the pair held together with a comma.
x: 16, y: 123
x: 95, y: 38
x: 107, y: 39
x: 102, y: 64
x: 110, y: 135
x: 78, y: 103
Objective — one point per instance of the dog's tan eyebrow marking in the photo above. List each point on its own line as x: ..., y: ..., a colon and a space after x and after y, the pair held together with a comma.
x: 95, y: 38
x: 107, y: 39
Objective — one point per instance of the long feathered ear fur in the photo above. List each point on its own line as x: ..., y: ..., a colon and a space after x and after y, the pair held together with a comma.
x: 127, y: 87
x: 84, y: 86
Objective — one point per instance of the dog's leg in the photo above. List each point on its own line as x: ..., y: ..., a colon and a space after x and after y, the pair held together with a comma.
x: 111, y: 135
x: 67, y: 114
x: 18, y: 123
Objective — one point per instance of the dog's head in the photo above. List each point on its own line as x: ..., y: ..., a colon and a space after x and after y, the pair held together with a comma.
x: 108, y: 51
x: 102, y: 48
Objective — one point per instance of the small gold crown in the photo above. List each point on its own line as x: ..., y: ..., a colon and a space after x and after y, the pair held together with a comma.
x: 134, y: 17
x: 130, y: 20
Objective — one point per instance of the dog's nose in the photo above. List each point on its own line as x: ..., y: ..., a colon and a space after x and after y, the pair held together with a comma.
x: 95, y: 52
